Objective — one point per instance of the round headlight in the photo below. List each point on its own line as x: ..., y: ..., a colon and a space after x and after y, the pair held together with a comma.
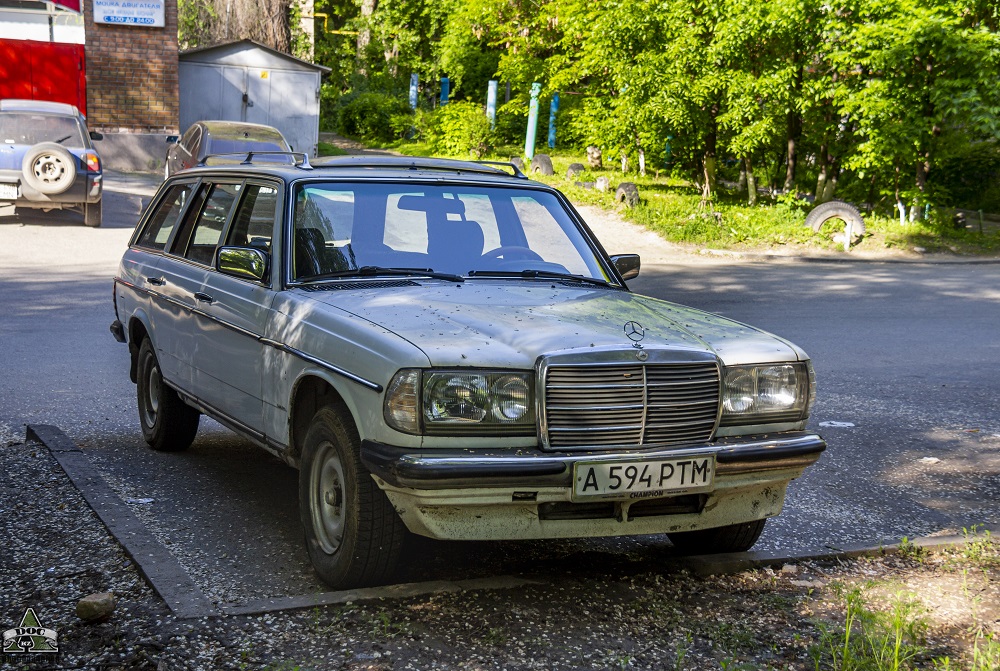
x: 776, y: 387
x: 456, y: 398
x: 510, y: 398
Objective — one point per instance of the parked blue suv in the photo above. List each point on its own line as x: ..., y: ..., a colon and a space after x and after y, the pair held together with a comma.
x: 47, y: 160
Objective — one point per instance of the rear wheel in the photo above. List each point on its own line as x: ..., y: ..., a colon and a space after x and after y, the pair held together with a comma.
x: 353, y: 534
x: 731, y: 538
x: 92, y: 214
x: 168, y: 423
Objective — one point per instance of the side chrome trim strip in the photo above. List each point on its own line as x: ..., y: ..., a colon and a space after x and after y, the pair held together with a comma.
x: 280, y: 346
x: 374, y: 386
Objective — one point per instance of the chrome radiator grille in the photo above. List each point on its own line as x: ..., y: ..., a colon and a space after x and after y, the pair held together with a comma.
x: 631, y: 404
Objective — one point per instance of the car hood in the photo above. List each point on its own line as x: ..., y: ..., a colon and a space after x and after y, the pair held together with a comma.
x: 511, y: 324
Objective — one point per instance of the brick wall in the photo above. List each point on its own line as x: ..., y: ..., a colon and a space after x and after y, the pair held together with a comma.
x: 132, y: 75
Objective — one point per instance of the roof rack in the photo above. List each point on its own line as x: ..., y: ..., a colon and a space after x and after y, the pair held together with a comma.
x: 417, y: 163
x: 506, y: 164
x: 301, y: 159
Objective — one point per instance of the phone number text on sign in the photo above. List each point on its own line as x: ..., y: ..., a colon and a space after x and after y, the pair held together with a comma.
x: 148, y: 13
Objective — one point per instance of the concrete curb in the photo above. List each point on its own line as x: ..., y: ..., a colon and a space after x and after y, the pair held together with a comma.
x: 736, y: 562
x: 160, y: 569
x: 773, y: 258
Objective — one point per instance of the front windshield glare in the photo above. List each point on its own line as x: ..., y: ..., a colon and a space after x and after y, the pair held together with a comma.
x: 463, y: 230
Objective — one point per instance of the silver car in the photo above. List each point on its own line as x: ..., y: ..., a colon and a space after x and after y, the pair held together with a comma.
x: 443, y: 348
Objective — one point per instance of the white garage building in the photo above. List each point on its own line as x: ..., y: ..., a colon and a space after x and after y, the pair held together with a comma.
x: 247, y: 81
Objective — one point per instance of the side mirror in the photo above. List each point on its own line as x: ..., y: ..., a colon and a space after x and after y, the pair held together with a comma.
x: 246, y: 262
x: 627, y: 265
x: 94, y: 135
x: 172, y: 139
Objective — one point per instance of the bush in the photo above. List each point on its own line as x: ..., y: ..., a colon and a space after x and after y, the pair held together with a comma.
x: 460, y: 129
x: 374, y: 117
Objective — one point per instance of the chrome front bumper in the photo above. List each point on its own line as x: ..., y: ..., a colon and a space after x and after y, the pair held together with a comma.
x: 520, y: 467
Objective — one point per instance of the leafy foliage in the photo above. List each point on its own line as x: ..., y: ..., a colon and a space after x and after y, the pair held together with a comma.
x: 460, y: 128
x: 372, y: 117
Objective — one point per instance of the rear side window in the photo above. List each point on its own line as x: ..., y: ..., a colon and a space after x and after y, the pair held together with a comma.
x: 212, y: 219
x: 254, y: 222
x: 163, y: 221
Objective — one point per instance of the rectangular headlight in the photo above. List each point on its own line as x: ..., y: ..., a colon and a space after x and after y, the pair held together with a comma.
x: 766, y: 394
x: 463, y: 402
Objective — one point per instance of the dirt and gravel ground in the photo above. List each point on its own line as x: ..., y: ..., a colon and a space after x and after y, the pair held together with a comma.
x: 644, y: 616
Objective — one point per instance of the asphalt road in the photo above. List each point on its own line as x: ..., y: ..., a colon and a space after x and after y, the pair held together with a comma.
x: 907, y: 354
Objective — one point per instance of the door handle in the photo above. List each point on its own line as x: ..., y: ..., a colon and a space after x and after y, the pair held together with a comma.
x: 156, y: 281
x: 203, y: 297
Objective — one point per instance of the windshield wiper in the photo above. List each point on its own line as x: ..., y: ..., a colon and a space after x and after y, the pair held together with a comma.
x: 63, y: 139
x: 543, y: 274
x: 373, y: 271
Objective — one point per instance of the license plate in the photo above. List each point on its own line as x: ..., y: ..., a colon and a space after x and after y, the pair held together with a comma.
x: 642, y: 479
x: 8, y: 192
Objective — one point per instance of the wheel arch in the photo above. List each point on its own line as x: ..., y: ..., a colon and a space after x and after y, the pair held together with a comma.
x: 138, y: 328
x: 312, y: 391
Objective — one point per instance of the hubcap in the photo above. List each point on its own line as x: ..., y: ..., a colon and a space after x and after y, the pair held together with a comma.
x: 327, y: 499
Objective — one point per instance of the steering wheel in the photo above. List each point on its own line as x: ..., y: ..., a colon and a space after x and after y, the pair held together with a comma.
x: 511, y: 252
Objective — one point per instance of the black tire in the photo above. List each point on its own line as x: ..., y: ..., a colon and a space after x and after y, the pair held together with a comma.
x: 627, y: 193
x: 731, y: 538
x: 168, y: 423
x: 543, y: 164
x: 353, y: 534
x: 49, y: 168
x: 574, y: 170
x: 92, y: 214
x: 836, y: 209
x: 517, y: 162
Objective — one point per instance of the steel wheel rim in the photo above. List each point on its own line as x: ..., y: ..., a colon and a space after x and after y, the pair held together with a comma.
x: 327, y: 500
x: 49, y: 168
x: 152, y: 396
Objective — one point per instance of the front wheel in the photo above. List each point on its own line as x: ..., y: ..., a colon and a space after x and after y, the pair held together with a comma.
x: 353, y: 534
x: 731, y: 538
x: 168, y: 423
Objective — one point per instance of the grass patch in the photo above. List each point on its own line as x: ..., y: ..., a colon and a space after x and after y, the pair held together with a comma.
x: 329, y: 149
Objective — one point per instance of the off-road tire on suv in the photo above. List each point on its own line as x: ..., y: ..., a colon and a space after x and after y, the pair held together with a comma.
x: 92, y: 214
x: 543, y: 164
x: 353, y: 534
x: 49, y: 168
x: 731, y: 538
x: 836, y: 209
x: 168, y: 423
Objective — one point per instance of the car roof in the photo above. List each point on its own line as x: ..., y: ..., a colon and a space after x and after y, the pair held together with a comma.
x: 366, y: 167
x: 234, y: 130
x: 46, y: 106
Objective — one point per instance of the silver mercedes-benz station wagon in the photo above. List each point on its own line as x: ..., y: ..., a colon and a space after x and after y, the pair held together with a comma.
x: 444, y: 348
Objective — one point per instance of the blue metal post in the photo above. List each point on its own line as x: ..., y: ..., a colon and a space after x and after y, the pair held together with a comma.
x: 445, y: 84
x: 529, y: 137
x: 414, y: 84
x: 553, y: 109
x: 491, y: 103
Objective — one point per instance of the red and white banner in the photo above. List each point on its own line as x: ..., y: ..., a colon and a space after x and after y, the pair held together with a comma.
x: 71, y: 5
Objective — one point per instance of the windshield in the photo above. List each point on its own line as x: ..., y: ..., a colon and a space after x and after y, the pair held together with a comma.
x: 463, y: 230
x: 32, y: 128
